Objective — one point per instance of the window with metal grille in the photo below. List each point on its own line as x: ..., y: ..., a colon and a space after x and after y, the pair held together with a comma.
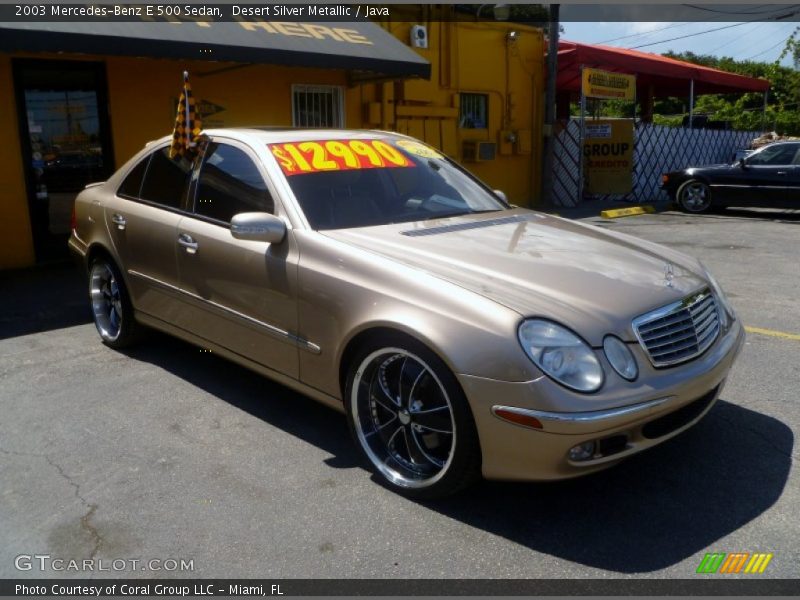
x: 474, y: 111
x: 317, y: 106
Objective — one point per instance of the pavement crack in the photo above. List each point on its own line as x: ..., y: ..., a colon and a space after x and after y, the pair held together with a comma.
x: 86, y: 520
x: 91, y: 508
x: 86, y: 523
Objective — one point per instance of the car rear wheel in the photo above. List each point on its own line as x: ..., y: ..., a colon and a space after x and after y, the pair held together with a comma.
x: 694, y: 196
x: 411, y: 420
x: 111, y: 305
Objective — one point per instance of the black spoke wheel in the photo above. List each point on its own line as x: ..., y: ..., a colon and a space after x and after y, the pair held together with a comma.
x: 111, y: 305
x: 411, y: 420
x: 694, y: 196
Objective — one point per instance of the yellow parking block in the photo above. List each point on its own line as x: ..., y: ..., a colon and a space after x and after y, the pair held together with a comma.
x: 614, y: 213
x: 772, y: 333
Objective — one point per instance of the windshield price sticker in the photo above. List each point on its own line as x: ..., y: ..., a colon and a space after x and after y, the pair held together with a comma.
x: 418, y: 149
x: 299, y: 158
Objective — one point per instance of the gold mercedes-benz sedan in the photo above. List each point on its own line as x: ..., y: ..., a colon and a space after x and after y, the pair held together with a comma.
x: 462, y: 336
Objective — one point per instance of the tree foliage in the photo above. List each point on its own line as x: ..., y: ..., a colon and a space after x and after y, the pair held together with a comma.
x: 745, y: 111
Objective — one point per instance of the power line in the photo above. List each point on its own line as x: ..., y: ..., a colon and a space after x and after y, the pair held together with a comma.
x: 711, y: 30
x: 783, y: 41
x: 744, y: 12
x: 649, y: 31
x: 689, y: 35
x: 729, y: 42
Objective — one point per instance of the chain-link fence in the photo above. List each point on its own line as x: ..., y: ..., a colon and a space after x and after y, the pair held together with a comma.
x: 657, y: 150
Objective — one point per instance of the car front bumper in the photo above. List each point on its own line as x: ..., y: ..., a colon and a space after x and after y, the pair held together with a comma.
x: 668, y: 402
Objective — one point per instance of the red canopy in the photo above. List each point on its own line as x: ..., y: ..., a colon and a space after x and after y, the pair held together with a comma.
x: 669, y: 77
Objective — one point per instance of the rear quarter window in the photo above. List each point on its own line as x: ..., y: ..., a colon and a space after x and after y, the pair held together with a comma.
x: 132, y: 185
x: 166, y: 181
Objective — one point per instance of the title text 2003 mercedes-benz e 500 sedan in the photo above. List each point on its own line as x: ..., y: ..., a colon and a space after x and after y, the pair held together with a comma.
x: 462, y: 336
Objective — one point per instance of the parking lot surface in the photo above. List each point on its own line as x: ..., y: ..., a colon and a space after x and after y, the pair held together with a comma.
x: 168, y: 452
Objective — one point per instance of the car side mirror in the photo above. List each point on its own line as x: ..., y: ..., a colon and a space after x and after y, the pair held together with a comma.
x: 258, y: 227
x: 501, y: 194
x: 742, y: 163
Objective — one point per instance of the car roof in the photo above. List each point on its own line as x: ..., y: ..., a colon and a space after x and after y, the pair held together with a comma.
x: 273, y: 135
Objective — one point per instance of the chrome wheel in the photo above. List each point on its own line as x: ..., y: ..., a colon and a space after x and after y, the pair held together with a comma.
x: 694, y: 196
x: 403, y: 418
x: 106, y: 301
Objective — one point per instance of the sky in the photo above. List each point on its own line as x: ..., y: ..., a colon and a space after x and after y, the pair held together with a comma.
x: 762, y: 41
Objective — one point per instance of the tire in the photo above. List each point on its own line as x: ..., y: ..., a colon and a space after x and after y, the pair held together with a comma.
x: 694, y: 196
x: 111, y: 305
x: 411, y: 420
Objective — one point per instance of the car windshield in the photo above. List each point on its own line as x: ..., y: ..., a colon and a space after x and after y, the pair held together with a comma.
x: 342, y: 184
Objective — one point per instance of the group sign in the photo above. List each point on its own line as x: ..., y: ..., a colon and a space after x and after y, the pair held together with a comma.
x: 608, y: 156
x: 608, y: 143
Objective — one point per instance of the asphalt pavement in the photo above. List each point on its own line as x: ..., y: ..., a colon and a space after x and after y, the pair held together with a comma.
x: 166, y: 452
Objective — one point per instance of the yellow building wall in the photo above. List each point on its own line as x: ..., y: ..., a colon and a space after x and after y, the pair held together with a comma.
x: 16, y: 243
x: 476, y: 57
x: 143, y: 92
x: 464, y: 56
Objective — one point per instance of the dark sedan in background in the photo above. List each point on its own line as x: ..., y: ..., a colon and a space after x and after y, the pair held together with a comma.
x: 770, y: 176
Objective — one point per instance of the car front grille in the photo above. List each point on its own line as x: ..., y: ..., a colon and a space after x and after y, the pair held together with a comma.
x: 680, y: 331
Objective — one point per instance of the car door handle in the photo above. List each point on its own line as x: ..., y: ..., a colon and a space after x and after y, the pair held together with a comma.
x: 781, y: 173
x: 119, y: 221
x: 188, y: 242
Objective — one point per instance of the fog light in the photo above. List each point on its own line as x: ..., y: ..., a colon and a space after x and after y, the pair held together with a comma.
x: 583, y: 451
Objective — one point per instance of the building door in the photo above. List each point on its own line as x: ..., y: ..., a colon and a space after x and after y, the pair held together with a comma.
x: 65, y: 138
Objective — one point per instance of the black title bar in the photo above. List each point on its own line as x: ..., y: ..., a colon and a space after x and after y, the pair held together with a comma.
x: 537, y: 14
x: 199, y: 588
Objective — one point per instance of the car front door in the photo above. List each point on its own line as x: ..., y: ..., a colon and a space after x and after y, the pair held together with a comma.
x: 142, y: 220
x: 240, y: 294
x: 770, y: 174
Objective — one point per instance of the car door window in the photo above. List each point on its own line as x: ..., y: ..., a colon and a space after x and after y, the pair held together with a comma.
x: 230, y: 183
x: 774, y: 156
x: 132, y: 185
x: 167, y: 180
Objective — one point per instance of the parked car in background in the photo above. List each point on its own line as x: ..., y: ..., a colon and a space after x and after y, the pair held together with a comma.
x: 767, y: 176
x: 460, y: 335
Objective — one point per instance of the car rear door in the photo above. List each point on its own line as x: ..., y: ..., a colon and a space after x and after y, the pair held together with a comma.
x: 240, y: 294
x: 142, y: 220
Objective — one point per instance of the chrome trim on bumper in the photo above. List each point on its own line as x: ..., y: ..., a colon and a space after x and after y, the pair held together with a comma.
x: 584, y: 417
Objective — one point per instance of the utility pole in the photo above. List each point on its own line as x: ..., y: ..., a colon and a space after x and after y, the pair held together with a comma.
x: 550, y: 105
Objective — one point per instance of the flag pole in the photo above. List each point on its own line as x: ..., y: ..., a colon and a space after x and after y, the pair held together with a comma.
x: 189, y: 143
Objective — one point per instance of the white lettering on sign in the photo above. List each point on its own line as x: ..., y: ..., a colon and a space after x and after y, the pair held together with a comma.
x: 598, y: 131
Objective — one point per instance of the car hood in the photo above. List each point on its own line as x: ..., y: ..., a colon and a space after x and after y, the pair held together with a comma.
x: 592, y: 280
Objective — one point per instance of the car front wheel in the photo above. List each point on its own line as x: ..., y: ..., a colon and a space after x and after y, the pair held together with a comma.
x: 694, y: 196
x: 411, y: 419
x: 111, y: 305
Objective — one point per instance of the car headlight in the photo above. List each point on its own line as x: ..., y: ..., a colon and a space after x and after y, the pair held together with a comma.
x: 725, y: 306
x: 620, y: 357
x: 561, y: 354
